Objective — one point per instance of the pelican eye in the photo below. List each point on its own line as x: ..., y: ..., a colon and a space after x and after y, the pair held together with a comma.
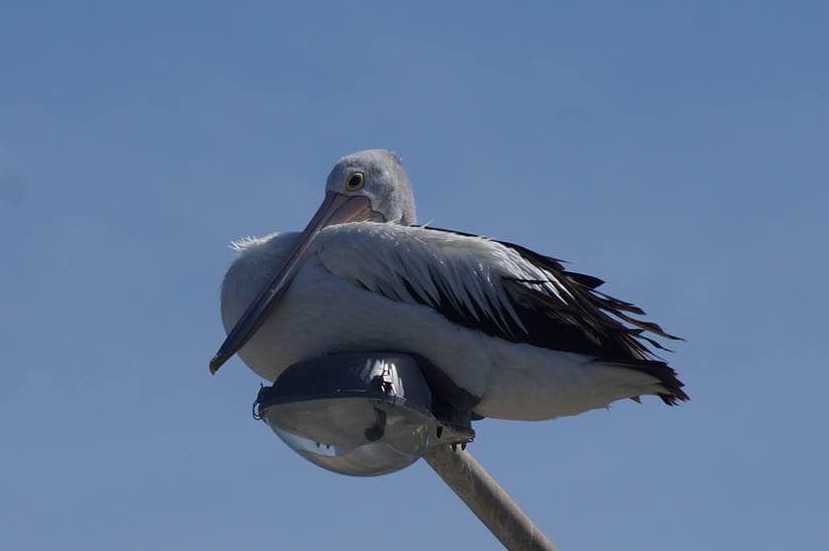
x: 355, y: 181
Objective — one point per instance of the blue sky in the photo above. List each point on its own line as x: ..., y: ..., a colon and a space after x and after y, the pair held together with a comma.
x: 677, y: 150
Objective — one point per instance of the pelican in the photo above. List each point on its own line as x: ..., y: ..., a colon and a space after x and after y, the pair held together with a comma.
x: 517, y: 335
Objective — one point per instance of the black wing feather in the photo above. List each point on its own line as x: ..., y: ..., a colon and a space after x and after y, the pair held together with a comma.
x: 591, y: 323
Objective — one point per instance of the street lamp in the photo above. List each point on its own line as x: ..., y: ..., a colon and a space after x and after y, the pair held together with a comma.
x: 358, y: 414
x: 368, y: 414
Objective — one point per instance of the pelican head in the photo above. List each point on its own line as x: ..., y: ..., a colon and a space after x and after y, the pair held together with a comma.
x: 367, y: 185
x: 376, y: 175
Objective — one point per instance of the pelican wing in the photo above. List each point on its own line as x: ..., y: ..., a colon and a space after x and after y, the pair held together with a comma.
x: 501, y: 289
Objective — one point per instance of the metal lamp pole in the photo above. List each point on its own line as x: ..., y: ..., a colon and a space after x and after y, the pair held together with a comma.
x: 484, y: 497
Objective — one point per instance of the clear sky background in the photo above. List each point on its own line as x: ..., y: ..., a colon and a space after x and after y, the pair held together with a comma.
x: 678, y: 150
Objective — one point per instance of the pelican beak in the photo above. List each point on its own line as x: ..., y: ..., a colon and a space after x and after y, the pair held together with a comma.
x: 335, y: 209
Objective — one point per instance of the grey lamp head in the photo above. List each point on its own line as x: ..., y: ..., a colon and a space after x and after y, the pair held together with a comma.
x: 355, y: 414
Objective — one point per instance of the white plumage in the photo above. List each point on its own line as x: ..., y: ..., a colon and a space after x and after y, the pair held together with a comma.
x: 510, y: 327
